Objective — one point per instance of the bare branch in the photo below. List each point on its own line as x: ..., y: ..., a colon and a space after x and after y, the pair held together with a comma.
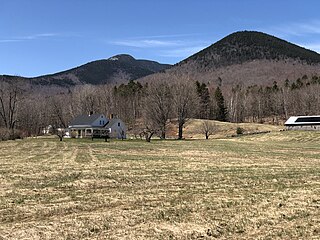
x: 208, y: 128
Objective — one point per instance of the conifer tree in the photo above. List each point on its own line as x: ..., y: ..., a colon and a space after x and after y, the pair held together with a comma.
x: 221, y: 109
x: 204, y: 100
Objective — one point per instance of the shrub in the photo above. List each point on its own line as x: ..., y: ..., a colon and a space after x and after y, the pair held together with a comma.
x: 4, y: 134
x: 73, y: 134
x: 239, y: 130
x: 18, y: 134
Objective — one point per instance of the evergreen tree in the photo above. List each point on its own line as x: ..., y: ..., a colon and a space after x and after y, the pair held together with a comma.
x: 221, y: 110
x: 204, y: 100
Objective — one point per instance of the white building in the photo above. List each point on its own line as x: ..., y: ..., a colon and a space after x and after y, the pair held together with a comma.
x: 309, y: 123
x: 97, y: 125
x: 117, y: 128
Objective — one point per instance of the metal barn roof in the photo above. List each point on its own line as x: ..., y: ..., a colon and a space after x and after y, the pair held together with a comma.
x: 303, y: 120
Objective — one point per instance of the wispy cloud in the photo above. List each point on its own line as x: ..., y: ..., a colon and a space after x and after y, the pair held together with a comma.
x: 309, y: 28
x: 29, y: 37
x: 304, y: 34
x: 146, y: 43
x: 41, y: 35
x: 182, y: 52
x: 168, y: 36
x: 9, y: 40
x: 297, y: 29
x: 168, y: 46
x: 157, y: 41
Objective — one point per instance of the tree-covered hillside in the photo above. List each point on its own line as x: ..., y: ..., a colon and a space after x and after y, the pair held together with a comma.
x: 246, y: 46
x: 117, y: 69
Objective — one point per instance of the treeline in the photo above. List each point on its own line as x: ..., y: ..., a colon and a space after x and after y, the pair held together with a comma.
x: 147, y: 108
x: 275, y: 103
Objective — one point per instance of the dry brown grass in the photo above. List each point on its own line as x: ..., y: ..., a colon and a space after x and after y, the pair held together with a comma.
x: 252, y: 187
x: 224, y: 129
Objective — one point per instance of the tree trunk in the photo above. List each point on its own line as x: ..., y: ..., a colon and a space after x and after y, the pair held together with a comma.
x: 180, y: 131
x: 149, y: 136
x: 163, y: 134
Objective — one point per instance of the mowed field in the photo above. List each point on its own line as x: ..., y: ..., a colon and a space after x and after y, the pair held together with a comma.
x: 263, y: 186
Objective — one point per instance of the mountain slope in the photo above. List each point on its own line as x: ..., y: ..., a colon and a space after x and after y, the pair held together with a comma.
x: 245, y: 46
x: 249, y: 58
x: 245, y: 58
x: 119, y: 68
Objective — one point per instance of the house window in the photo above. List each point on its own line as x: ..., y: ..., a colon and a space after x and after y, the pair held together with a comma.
x: 100, y: 122
x: 118, y: 124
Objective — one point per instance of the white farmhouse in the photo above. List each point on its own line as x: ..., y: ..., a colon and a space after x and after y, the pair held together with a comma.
x: 97, y: 125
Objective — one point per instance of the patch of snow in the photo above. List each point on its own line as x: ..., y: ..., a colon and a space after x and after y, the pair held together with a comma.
x: 113, y: 59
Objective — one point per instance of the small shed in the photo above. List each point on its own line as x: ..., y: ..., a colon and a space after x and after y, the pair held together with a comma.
x: 307, y: 123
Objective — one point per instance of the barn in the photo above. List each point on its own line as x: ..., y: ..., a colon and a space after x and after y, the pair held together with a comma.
x: 307, y: 123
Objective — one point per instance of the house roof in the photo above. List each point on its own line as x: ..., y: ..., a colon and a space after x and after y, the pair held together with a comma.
x: 303, y: 120
x: 112, y: 121
x: 85, y: 120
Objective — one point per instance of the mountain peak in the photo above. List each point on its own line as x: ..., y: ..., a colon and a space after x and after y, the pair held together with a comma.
x: 116, y: 69
x: 122, y: 58
x: 250, y: 58
x: 244, y: 46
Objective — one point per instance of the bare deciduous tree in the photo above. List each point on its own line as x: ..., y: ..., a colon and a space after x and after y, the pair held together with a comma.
x: 184, y: 102
x: 9, y: 99
x: 158, y: 106
x: 84, y: 99
x: 60, y: 132
x: 58, y: 111
x: 208, y: 128
x: 148, y: 132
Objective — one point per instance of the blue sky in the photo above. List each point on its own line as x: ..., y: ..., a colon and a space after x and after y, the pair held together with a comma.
x: 46, y: 36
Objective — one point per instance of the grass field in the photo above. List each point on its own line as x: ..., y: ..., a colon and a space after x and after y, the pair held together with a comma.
x: 253, y: 187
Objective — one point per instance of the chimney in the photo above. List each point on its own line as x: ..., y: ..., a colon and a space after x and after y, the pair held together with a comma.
x: 111, y: 116
x: 90, y: 113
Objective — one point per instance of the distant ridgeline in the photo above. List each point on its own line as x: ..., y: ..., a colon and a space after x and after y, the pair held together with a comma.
x: 246, y: 58
x: 117, y: 69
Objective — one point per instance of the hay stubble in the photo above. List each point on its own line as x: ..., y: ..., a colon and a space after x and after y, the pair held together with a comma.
x: 265, y: 186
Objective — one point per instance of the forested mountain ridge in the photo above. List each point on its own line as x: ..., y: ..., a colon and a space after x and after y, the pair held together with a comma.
x: 247, y: 58
x: 116, y: 69
x: 240, y: 47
